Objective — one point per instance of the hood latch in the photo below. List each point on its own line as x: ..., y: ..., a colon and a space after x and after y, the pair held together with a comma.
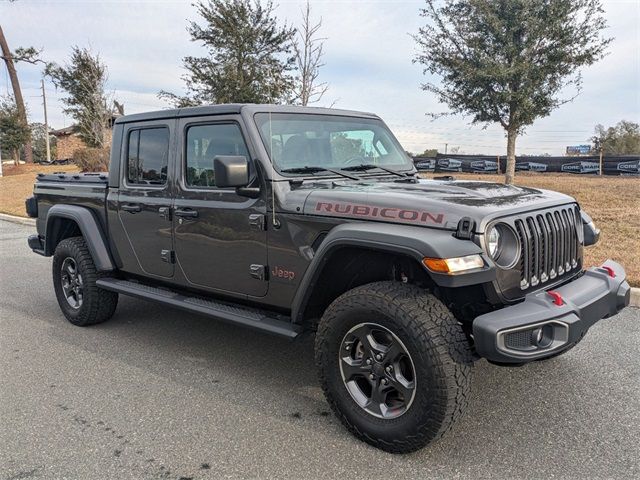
x: 465, y: 228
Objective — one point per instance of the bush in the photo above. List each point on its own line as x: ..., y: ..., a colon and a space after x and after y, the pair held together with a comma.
x: 92, y: 159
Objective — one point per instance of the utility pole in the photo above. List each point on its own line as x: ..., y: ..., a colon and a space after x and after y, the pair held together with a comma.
x: 0, y: 160
x: 46, y: 123
x: 445, y: 148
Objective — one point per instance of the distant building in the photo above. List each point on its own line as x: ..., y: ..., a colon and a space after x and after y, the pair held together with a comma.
x: 69, y: 141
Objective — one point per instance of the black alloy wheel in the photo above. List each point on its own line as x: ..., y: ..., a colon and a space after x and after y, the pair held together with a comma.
x: 377, y: 370
x: 72, y: 285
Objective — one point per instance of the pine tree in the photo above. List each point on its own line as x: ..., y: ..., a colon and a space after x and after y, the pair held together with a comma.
x: 84, y: 80
x: 248, y: 60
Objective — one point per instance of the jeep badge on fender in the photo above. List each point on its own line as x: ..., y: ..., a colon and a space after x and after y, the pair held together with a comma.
x: 294, y: 219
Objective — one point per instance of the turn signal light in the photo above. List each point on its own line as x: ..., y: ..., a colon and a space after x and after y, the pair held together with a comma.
x: 453, y: 265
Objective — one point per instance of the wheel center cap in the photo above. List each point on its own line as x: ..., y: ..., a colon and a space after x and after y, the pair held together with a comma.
x: 378, y: 369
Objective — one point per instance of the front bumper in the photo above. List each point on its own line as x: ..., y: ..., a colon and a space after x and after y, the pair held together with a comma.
x: 548, y: 322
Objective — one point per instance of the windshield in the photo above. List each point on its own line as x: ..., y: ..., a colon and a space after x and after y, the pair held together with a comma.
x: 295, y: 141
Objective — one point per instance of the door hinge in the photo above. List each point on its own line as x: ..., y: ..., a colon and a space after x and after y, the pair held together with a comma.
x: 168, y: 256
x: 257, y: 221
x: 257, y: 271
x: 165, y: 213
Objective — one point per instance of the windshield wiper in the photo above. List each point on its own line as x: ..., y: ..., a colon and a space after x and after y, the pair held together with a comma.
x: 317, y: 170
x: 370, y: 166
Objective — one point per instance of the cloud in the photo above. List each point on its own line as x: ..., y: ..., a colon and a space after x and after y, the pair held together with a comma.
x: 368, y: 64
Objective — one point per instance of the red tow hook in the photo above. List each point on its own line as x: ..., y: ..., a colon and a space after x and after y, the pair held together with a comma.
x: 609, y: 270
x: 557, y: 298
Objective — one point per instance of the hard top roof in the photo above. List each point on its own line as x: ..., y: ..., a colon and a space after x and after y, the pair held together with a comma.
x: 231, y: 108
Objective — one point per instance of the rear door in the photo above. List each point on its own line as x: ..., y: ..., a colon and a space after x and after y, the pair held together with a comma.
x: 220, y: 237
x: 145, y: 197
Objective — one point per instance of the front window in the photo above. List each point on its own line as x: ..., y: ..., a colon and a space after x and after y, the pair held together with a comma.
x: 296, y: 141
x: 204, y: 143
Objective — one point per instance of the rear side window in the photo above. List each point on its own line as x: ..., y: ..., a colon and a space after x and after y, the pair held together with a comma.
x: 204, y: 143
x: 148, y: 156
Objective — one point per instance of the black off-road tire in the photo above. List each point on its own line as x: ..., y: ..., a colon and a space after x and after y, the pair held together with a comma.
x: 437, y: 346
x: 97, y: 305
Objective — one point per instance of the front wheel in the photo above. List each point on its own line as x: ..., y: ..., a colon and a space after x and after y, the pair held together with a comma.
x: 394, y: 365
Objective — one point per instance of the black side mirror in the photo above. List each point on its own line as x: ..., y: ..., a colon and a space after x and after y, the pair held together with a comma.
x: 231, y: 171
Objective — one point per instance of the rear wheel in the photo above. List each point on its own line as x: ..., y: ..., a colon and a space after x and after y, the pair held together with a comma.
x: 394, y: 364
x: 74, y: 281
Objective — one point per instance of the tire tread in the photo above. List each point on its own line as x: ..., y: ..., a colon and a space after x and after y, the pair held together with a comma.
x: 432, y: 324
x: 101, y: 303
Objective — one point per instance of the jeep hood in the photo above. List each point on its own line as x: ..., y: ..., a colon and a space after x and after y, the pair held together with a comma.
x: 432, y: 203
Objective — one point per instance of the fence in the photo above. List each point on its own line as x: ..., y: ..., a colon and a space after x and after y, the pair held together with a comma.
x: 611, y: 165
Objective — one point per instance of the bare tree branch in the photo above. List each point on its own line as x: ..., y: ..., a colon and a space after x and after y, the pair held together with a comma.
x: 308, y: 51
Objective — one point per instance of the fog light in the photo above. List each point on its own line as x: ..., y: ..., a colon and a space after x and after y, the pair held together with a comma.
x: 542, y: 337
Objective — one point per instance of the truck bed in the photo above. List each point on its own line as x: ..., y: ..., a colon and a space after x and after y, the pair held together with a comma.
x: 82, y: 189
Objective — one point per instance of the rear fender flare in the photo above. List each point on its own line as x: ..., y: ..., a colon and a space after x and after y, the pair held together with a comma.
x: 414, y: 242
x: 91, y: 231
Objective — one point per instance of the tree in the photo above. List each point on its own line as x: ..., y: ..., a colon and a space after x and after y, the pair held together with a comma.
x: 29, y: 55
x: 343, y: 148
x: 249, y: 56
x: 429, y: 152
x: 308, y: 52
x: 84, y: 80
x: 506, y: 61
x: 13, y: 132
x: 39, y: 138
x: 623, y: 139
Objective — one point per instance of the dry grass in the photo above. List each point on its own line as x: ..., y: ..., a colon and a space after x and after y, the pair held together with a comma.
x: 16, y: 184
x: 612, y: 202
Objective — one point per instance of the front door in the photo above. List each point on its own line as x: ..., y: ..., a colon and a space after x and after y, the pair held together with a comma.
x: 144, y: 199
x: 220, y: 239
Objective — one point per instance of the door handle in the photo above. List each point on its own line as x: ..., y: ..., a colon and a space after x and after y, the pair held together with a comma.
x: 186, y: 213
x: 131, y: 208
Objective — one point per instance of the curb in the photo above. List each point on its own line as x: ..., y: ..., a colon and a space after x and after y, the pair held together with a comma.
x: 635, y: 297
x: 20, y: 220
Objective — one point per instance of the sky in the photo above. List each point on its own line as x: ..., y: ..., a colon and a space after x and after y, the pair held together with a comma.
x: 368, y: 64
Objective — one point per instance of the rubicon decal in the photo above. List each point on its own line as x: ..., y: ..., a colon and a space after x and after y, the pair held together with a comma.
x: 383, y: 213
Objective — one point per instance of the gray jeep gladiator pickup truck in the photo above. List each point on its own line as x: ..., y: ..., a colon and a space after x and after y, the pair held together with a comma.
x: 292, y: 219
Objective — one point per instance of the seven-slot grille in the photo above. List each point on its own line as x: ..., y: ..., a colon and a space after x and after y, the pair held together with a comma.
x: 550, y: 246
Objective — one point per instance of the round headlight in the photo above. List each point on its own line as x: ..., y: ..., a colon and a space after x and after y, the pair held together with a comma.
x: 503, y: 245
x: 493, y: 242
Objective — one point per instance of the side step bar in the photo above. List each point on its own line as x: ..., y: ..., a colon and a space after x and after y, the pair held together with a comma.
x: 238, y: 314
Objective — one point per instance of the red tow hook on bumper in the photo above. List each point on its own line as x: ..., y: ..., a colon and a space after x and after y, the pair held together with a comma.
x: 609, y: 270
x: 557, y: 298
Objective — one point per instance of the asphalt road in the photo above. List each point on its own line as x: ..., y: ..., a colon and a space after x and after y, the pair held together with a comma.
x: 156, y: 393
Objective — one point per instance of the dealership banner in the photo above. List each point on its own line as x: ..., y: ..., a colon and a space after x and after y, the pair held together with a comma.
x: 611, y: 165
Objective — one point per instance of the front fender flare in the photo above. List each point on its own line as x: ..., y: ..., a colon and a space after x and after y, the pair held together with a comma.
x: 91, y: 231
x: 415, y: 242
